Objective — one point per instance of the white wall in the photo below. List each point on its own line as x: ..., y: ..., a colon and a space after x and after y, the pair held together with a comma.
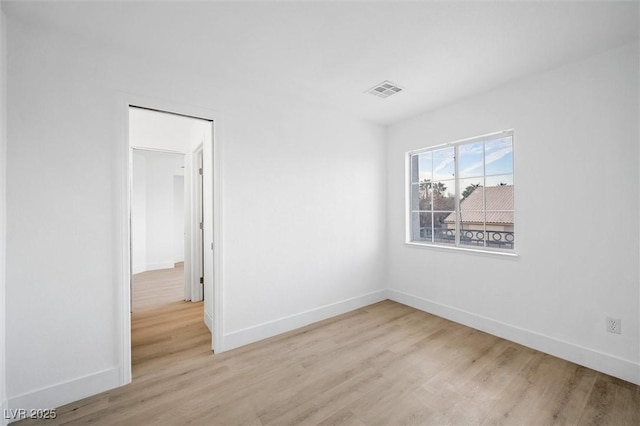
x: 157, y: 210
x: 307, y: 230
x: 160, y: 168
x: 138, y: 212
x: 178, y: 217
x: 576, y: 164
x: 303, y: 207
x: 3, y: 231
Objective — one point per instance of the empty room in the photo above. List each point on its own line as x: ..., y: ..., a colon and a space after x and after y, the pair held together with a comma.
x: 377, y: 212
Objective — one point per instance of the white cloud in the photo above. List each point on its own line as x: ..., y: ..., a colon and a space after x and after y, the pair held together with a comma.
x: 492, y: 157
x: 442, y: 165
x: 496, y: 155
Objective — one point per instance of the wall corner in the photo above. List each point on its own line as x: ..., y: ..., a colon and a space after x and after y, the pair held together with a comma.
x: 3, y: 198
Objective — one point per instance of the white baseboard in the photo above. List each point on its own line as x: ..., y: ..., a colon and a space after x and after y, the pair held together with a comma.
x: 161, y: 265
x: 67, y: 392
x: 272, y: 328
x: 609, y: 364
x: 4, y: 408
x: 208, y: 320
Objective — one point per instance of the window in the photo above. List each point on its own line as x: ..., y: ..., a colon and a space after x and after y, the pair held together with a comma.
x: 461, y: 194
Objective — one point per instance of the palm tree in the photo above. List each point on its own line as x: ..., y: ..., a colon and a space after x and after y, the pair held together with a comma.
x: 435, y: 189
x: 439, y: 188
x: 425, y: 186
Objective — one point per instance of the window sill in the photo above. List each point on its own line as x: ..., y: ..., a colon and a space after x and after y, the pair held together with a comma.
x: 491, y: 253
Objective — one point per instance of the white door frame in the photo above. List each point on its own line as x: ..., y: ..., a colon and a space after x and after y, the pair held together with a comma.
x: 212, y: 170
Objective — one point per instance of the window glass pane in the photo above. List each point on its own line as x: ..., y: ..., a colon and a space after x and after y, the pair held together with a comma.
x: 414, y: 168
x: 443, y: 193
x: 444, y: 220
x: 421, y: 226
x: 425, y: 195
x: 444, y: 228
x: 424, y: 166
x: 415, y: 226
x: 499, y: 197
x: 471, y: 219
x: 499, y: 235
x: 420, y: 197
x: 444, y: 164
x: 467, y: 188
x: 425, y: 202
x: 498, y: 156
x: 421, y: 167
x: 415, y: 197
x: 499, y: 180
x: 472, y: 232
x: 471, y: 162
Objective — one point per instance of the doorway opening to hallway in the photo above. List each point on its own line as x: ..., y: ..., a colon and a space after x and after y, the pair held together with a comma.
x: 168, y: 229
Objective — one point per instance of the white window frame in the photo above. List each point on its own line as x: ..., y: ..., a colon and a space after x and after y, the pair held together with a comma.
x: 408, y: 205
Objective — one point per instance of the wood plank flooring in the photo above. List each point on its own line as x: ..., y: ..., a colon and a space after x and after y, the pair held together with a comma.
x: 154, y: 289
x: 386, y: 364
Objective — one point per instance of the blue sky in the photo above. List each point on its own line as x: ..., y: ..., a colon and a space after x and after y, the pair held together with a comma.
x: 498, y: 161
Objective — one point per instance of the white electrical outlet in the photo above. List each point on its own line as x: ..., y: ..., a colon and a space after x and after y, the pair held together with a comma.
x: 613, y: 325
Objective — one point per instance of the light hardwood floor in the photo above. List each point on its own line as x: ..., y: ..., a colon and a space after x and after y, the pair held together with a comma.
x: 386, y: 364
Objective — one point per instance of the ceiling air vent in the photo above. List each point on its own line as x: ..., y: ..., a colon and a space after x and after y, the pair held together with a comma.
x: 384, y: 89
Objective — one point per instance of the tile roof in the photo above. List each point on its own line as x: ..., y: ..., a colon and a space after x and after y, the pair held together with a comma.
x: 498, y: 198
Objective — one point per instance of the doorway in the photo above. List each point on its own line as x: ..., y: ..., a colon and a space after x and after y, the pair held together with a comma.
x: 187, y: 141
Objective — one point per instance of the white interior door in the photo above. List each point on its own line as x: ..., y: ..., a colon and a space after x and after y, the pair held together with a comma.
x: 208, y: 235
x: 197, y: 275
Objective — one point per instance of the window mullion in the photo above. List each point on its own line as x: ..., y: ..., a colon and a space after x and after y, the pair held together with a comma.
x: 431, y: 201
x: 458, y: 214
x: 484, y: 195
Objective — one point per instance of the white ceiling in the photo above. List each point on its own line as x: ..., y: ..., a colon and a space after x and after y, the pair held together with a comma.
x: 332, y: 52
